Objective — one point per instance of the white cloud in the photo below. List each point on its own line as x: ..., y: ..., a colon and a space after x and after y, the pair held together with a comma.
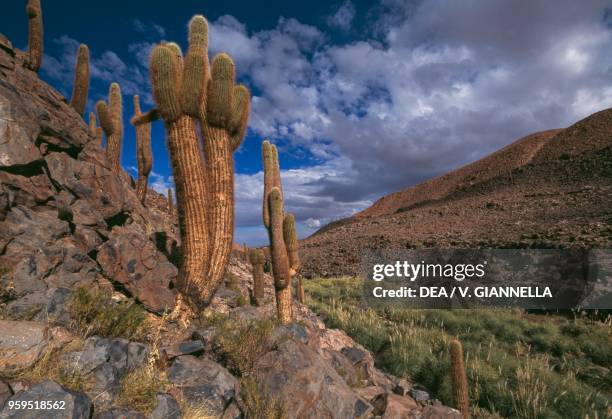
x: 343, y: 17
x: 161, y: 183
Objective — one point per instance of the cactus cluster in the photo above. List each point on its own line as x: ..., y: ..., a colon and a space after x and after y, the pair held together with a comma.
x: 35, y: 39
x: 196, y: 101
x: 459, y: 379
x: 282, y: 234
x: 111, y: 121
x: 257, y: 259
x: 144, y: 157
x: 80, y: 88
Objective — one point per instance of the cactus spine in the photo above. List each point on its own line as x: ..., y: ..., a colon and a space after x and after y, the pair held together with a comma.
x: 111, y: 120
x: 281, y: 231
x: 143, y: 153
x: 35, y: 40
x: 189, y: 95
x: 459, y: 379
x: 80, y: 89
x: 257, y: 259
x: 170, y: 203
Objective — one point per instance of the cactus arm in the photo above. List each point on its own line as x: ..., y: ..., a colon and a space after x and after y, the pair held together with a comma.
x: 280, y: 259
x: 145, y: 118
x: 220, y: 95
x: 106, y: 121
x: 240, y: 115
x: 291, y: 243
x: 195, y: 73
x: 35, y: 39
x: 93, y: 129
x: 80, y: 88
x: 267, y: 156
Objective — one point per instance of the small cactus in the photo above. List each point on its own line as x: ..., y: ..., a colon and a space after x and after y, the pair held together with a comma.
x: 35, y: 40
x: 111, y: 120
x: 144, y: 156
x: 80, y: 89
x: 459, y: 379
x: 94, y: 130
x: 257, y: 259
x: 188, y: 96
x: 170, y: 203
x: 282, y: 233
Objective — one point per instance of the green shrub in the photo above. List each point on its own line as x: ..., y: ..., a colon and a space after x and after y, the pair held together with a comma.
x: 95, y: 313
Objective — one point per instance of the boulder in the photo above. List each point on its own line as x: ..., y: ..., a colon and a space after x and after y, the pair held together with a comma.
x: 203, y: 380
x: 134, y: 261
x: 166, y: 407
x: 307, y: 385
x: 71, y: 404
x: 22, y: 343
x: 192, y: 347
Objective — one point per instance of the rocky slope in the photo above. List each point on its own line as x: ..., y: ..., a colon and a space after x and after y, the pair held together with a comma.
x: 68, y: 221
x: 546, y: 190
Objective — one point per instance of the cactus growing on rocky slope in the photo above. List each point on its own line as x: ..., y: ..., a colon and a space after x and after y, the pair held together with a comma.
x: 459, y: 379
x: 170, y: 203
x: 257, y: 259
x: 80, y: 88
x: 35, y: 39
x: 144, y: 156
x: 111, y: 120
x: 188, y: 94
x: 94, y: 130
x: 281, y: 230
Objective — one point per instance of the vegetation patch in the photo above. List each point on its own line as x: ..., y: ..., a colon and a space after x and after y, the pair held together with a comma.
x: 258, y: 403
x: 95, y: 313
x: 518, y: 364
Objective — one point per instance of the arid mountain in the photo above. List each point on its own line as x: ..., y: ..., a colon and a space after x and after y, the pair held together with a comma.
x: 549, y: 189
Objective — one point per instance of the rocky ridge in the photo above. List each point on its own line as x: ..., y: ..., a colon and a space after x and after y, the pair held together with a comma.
x: 68, y: 221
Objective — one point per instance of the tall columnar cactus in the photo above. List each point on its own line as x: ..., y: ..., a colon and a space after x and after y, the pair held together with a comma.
x: 80, y: 89
x: 459, y: 379
x: 281, y: 230
x: 144, y: 157
x: 170, y: 203
x: 94, y: 130
x: 111, y: 120
x: 257, y: 259
x: 189, y: 96
x: 35, y: 40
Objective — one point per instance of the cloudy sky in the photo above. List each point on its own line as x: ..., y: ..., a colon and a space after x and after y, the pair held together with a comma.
x: 362, y: 98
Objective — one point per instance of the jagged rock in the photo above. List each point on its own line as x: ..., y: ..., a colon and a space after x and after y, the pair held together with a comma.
x: 135, y: 262
x: 166, y: 408
x: 76, y: 404
x: 440, y: 412
x: 307, y: 384
x: 203, y: 380
x: 393, y: 406
x: 192, y: 347
x: 402, y: 387
x: 206, y: 336
x: 419, y: 395
x: 21, y: 344
x: 5, y: 393
x: 370, y: 393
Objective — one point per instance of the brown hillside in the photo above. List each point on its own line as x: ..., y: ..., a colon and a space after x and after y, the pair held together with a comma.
x: 550, y: 189
x: 510, y: 157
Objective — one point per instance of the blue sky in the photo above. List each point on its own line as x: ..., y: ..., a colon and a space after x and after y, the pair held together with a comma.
x: 362, y: 98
